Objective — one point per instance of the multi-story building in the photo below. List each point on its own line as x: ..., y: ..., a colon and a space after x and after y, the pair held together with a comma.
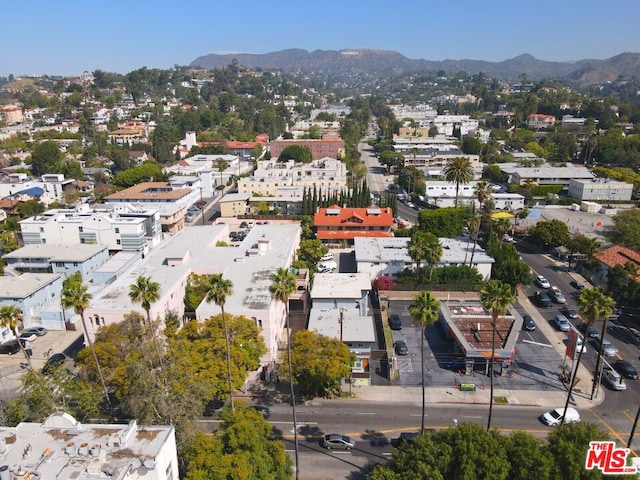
x: 11, y: 114
x: 327, y: 175
x: 37, y: 295
x: 129, y: 132
x: 171, y: 203
x: 539, y: 120
x: 53, y: 187
x: 341, y: 311
x: 119, y: 227
x: 62, y: 448
x: 63, y: 259
x: 234, y: 204
x: 330, y: 146
x: 443, y: 194
x: 336, y: 224
x: 195, y: 250
x: 600, y: 189
x: 389, y: 256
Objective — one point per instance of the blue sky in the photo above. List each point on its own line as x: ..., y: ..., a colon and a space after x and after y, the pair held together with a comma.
x: 66, y: 37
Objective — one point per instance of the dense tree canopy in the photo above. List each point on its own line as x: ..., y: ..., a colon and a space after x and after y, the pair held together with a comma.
x: 319, y: 362
x: 626, y: 228
x: 297, y: 153
x: 242, y: 448
x: 550, y: 234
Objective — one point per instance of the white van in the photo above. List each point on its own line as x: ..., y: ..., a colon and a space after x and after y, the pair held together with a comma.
x: 613, y: 379
x: 327, y: 257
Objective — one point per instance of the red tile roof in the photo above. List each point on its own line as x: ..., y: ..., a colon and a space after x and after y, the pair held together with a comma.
x: 350, y: 235
x: 618, y: 255
x: 361, y: 217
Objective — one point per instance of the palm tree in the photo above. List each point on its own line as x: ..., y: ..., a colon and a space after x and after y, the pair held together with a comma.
x: 483, y: 194
x: 416, y: 250
x: 458, y: 170
x: 218, y: 289
x: 75, y: 295
x: 425, y: 310
x: 146, y: 292
x: 495, y: 297
x: 472, y: 227
x: 595, y: 305
x: 283, y: 284
x: 11, y: 316
x: 433, y: 252
x: 501, y: 227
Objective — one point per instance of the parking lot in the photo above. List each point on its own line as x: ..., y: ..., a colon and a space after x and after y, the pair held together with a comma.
x: 12, y: 367
x: 536, y: 361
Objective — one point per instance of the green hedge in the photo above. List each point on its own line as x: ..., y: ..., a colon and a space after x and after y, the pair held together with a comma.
x: 538, y: 190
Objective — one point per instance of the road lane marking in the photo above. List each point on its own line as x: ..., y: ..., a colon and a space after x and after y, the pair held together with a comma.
x: 612, y: 431
x: 366, y: 413
x: 524, y: 340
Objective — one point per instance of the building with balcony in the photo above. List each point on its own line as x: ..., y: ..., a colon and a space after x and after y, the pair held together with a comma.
x: 249, y: 266
x: 172, y: 203
x: 119, y: 227
x: 327, y: 175
x: 63, y: 259
x: 37, y: 295
x: 336, y: 224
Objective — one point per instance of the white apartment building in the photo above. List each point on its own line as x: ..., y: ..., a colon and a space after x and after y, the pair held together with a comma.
x: 443, y: 194
x: 120, y: 227
x: 53, y: 185
x: 600, y: 189
x: 376, y: 257
x: 62, y: 448
x: 37, y: 295
x: 327, y: 174
x: 447, y: 123
x: 194, y: 250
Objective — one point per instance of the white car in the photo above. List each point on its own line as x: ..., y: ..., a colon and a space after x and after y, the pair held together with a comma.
x: 554, y: 417
x: 331, y: 265
x: 542, y: 282
x: 327, y: 257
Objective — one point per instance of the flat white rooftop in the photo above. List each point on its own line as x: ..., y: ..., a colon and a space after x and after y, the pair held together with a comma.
x: 63, y: 449
x: 25, y: 284
x: 340, y: 285
x: 58, y: 253
x: 351, y: 328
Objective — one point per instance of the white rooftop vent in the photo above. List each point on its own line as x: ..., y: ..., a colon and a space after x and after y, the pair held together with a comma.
x: 373, y: 211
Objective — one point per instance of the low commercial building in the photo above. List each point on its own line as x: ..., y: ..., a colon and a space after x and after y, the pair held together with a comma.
x: 545, y: 175
x: 62, y: 448
x: 602, y: 189
x: 471, y: 329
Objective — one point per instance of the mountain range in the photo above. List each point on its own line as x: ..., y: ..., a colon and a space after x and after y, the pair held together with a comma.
x: 385, y: 62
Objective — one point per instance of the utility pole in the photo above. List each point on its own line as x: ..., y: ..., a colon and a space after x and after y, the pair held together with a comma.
x: 633, y: 429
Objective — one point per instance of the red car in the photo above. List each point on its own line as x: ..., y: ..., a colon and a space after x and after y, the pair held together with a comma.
x: 200, y: 203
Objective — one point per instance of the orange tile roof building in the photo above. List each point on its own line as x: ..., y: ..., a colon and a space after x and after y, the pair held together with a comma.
x: 617, y: 255
x: 336, y: 224
x: 331, y: 146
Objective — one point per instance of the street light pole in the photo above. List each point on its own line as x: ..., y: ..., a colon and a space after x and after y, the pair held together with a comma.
x: 201, y: 207
x: 633, y: 429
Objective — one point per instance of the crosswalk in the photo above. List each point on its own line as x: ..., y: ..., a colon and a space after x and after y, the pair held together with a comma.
x: 405, y: 365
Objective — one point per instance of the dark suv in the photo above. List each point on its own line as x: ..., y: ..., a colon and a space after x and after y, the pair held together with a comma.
x: 10, y: 347
x: 543, y: 300
x: 394, y: 322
